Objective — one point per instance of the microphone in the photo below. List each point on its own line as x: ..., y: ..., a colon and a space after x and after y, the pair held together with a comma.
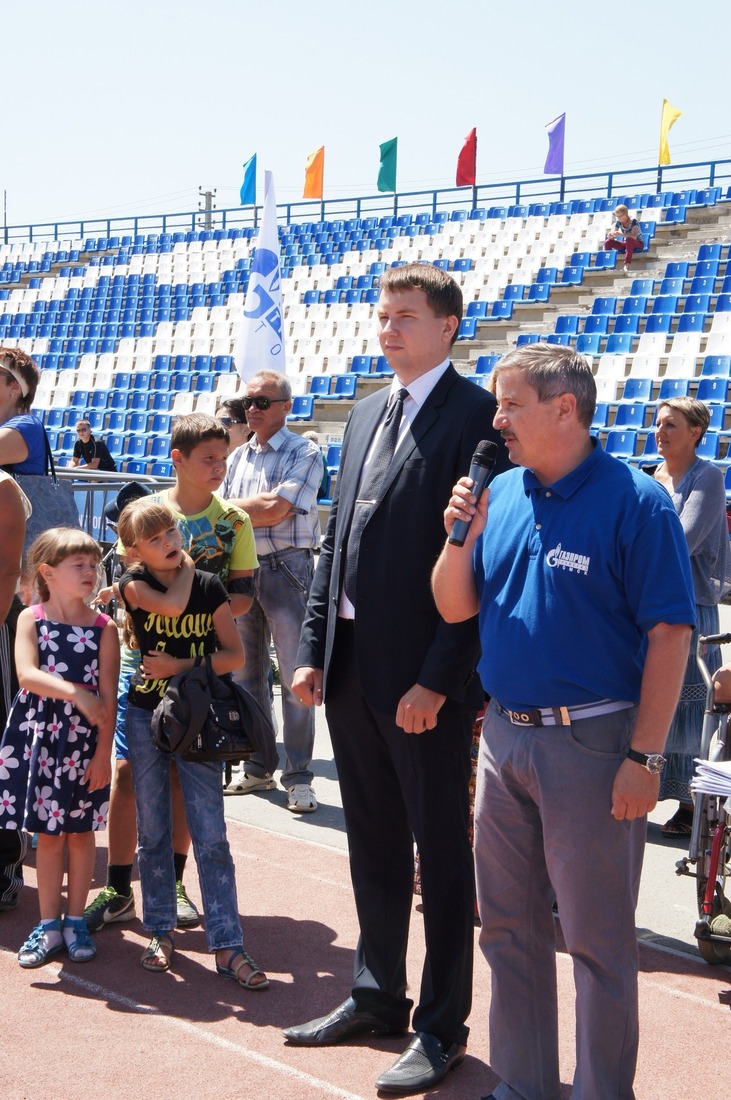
x: 482, y: 465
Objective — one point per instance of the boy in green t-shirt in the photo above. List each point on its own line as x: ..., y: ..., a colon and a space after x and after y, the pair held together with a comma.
x: 220, y: 539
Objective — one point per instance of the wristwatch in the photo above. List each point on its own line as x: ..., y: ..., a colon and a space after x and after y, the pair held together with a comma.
x: 653, y: 761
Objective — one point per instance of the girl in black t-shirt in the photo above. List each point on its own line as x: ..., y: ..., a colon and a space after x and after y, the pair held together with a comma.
x: 178, y: 613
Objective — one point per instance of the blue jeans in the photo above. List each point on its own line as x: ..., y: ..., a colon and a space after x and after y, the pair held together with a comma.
x: 203, y: 797
x: 281, y: 588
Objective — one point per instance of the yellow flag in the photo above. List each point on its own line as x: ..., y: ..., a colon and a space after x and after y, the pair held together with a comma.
x: 670, y: 115
x: 314, y: 172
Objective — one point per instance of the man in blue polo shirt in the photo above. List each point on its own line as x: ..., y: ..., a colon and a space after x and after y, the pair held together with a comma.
x: 582, y: 582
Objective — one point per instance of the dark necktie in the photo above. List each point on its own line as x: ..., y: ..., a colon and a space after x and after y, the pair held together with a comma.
x: 370, y: 490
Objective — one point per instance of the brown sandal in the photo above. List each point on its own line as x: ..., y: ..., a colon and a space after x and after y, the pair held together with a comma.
x: 680, y: 824
x: 159, y: 953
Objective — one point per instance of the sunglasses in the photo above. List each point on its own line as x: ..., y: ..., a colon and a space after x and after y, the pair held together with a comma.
x: 229, y: 421
x: 262, y: 403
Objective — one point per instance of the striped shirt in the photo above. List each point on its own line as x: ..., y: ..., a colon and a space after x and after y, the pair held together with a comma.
x: 289, y: 466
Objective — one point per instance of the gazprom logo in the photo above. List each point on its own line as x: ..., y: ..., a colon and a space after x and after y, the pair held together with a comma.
x: 263, y: 296
x: 566, y: 559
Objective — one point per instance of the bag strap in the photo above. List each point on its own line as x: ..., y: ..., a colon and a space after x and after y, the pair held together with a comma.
x: 49, y: 457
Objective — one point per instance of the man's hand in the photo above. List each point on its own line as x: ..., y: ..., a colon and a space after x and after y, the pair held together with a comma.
x: 307, y: 685
x: 462, y: 506
x: 418, y: 709
x: 634, y: 792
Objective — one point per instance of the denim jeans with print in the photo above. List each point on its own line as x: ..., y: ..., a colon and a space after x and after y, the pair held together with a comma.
x: 203, y: 797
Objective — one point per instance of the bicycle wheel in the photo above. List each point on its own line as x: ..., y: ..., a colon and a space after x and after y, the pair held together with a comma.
x: 719, y: 919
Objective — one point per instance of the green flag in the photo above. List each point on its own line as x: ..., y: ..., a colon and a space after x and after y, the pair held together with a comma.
x: 387, y: 167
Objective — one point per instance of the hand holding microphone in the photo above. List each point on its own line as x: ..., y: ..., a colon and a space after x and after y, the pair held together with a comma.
x: 481, y: 467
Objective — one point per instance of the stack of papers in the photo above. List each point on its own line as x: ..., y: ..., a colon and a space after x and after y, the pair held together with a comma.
x: 712, y: 777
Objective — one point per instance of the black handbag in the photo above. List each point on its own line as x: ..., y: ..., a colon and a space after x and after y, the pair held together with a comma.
x: 204, y: 717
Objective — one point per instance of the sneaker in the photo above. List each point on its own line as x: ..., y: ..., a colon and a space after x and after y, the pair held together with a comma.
x: 108, y: 907
x: 188, y: 915
x: 245, y: 784
x: 627, y: 269
x: 301, y: 799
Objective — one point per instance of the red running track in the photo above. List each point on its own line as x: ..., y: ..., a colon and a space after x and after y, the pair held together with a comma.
x: 109, y: 1028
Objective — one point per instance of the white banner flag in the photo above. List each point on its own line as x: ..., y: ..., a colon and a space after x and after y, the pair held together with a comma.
x: 261, y: 345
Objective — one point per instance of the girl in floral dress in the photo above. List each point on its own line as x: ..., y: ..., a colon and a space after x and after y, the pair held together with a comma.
x: 55, y: 754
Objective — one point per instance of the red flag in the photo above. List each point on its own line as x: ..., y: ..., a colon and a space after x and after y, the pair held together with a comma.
x: 467, y: 161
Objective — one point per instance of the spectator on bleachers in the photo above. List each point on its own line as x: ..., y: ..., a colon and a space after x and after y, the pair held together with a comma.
x: 22, y: 437
x: 93, y: 452
x: 625, y: 235
x: 698, y: 494
x: 232, y: 415
x: 274, y: 478
x: 322, y: 492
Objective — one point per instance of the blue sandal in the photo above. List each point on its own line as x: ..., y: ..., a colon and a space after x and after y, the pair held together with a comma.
x: 35, y: 951
x: 228, y: 971
x: 81, y: 948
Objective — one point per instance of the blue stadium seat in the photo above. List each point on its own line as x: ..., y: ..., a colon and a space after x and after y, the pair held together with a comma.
x: 477, y: 309
x: 606, y: 306
x: 716, y: 366
x: 665, y: 303
x: 629, y: 322
x: 345, y: 386
x: 708, y: 446
x: 621, y: 444
x: 302, y: 407
x: 589, y: 343
x: 320, y: 385
x: 649, y: 454
x: 514, y: 292
x: 601, y: 414
x: 467, y: 328
x: 485, y: 363
x: 673, y: 387
x: 630, y: 415
x: 710, y: 252
x: 712, y: 389
x: 332, y: 457
x: 568, y: 322
x: 637, y: 389
x: 659, y: 322
x: 691, y: 322
x: 598, y: 322
x: 619, y: 343
x: 634, y: 304
x: 161, y: 469
x: 677, y: 269
x: 697, y: 303
x: 539, y: 292
x: 501, y: 311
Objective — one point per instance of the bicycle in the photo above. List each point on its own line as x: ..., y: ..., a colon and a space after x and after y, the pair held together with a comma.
x: 710, y: 835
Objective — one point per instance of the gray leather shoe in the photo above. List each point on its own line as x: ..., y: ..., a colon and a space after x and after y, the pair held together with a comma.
x: 422, y: 1065
x: 343, y: 1023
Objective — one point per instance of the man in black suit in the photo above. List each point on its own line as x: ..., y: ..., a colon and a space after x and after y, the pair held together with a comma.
x: 399, y: 684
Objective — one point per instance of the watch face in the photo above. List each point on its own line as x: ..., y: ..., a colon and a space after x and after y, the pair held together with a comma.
x: 655, y: 763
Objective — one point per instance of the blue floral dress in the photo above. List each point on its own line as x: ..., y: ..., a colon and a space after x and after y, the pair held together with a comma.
x: 47, y: 743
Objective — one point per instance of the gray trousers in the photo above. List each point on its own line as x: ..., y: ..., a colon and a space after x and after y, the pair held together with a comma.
x: 543, y: 829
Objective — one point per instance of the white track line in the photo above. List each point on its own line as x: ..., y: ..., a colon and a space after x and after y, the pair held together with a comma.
x: 323, y: 1087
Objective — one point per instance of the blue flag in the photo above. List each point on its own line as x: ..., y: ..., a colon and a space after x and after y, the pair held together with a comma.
x: 556, y: 132
x: 261, y: 345
x: 248, y: 187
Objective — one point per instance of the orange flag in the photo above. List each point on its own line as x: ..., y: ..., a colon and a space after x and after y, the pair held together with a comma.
x: 314, y: 172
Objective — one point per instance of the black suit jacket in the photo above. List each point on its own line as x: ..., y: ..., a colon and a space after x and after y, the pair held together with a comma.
x: 400, y: 638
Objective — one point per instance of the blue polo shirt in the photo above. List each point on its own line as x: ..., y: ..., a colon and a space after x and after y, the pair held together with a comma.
x: 571, y: 577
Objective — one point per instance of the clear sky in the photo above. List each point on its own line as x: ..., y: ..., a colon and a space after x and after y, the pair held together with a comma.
x: 116, y: 108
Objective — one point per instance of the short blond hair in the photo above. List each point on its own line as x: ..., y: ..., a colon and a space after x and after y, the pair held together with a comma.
x: 52, y: 547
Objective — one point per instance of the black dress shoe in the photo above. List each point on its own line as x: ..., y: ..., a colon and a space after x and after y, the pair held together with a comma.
x: 343, y: 1023
x: 422, y: 1065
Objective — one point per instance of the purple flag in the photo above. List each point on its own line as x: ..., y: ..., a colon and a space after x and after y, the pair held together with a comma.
x: 556, y: 132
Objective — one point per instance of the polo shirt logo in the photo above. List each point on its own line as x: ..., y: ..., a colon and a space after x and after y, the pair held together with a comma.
x: 565, y: 559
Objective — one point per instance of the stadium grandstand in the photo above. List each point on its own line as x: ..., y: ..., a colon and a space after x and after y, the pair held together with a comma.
x: 133, y: 329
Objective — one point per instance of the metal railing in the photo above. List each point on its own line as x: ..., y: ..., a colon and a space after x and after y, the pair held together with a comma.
x: 94, y: 489
x: 614, y: 183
